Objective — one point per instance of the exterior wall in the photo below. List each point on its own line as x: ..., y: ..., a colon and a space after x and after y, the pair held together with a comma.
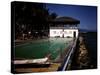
x: 61, y: 32
x: 70, y: 32
x: 56, y: 32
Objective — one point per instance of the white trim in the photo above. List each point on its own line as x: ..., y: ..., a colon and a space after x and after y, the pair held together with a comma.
x: 63, y: 32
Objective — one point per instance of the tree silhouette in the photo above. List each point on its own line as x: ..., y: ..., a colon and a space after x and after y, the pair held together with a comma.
x: 31, y: 17
x: 53, y: 15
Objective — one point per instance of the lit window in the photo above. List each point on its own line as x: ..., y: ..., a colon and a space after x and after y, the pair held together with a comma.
x: 70, y: 32
x: 54, y: 32
x: 61, y: 32
x: 65, y: 32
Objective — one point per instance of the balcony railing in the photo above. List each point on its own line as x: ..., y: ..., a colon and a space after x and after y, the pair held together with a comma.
x: 63, y: 27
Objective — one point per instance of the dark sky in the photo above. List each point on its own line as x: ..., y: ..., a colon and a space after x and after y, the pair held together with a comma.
x: 86, y: 14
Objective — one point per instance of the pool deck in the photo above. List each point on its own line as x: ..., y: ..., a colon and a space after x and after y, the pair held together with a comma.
x: 51, y: 68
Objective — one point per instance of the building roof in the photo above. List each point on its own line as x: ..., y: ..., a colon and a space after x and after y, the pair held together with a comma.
x: 65, y: 20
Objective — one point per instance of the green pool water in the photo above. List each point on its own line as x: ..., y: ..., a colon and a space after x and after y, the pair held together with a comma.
x: 41, y: 48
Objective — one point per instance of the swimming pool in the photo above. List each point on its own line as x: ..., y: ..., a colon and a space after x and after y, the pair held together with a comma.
x: 41, y: 48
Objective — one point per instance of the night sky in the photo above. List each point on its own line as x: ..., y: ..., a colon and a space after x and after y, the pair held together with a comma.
x: 86, y: 14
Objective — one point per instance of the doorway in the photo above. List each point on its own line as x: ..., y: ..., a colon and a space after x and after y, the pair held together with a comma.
x: 74, y: 34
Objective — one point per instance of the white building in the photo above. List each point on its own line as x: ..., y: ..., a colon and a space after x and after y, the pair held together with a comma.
x: 64, y: 27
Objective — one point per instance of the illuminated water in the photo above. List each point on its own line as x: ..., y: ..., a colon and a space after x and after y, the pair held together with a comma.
x: 41, y: 48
